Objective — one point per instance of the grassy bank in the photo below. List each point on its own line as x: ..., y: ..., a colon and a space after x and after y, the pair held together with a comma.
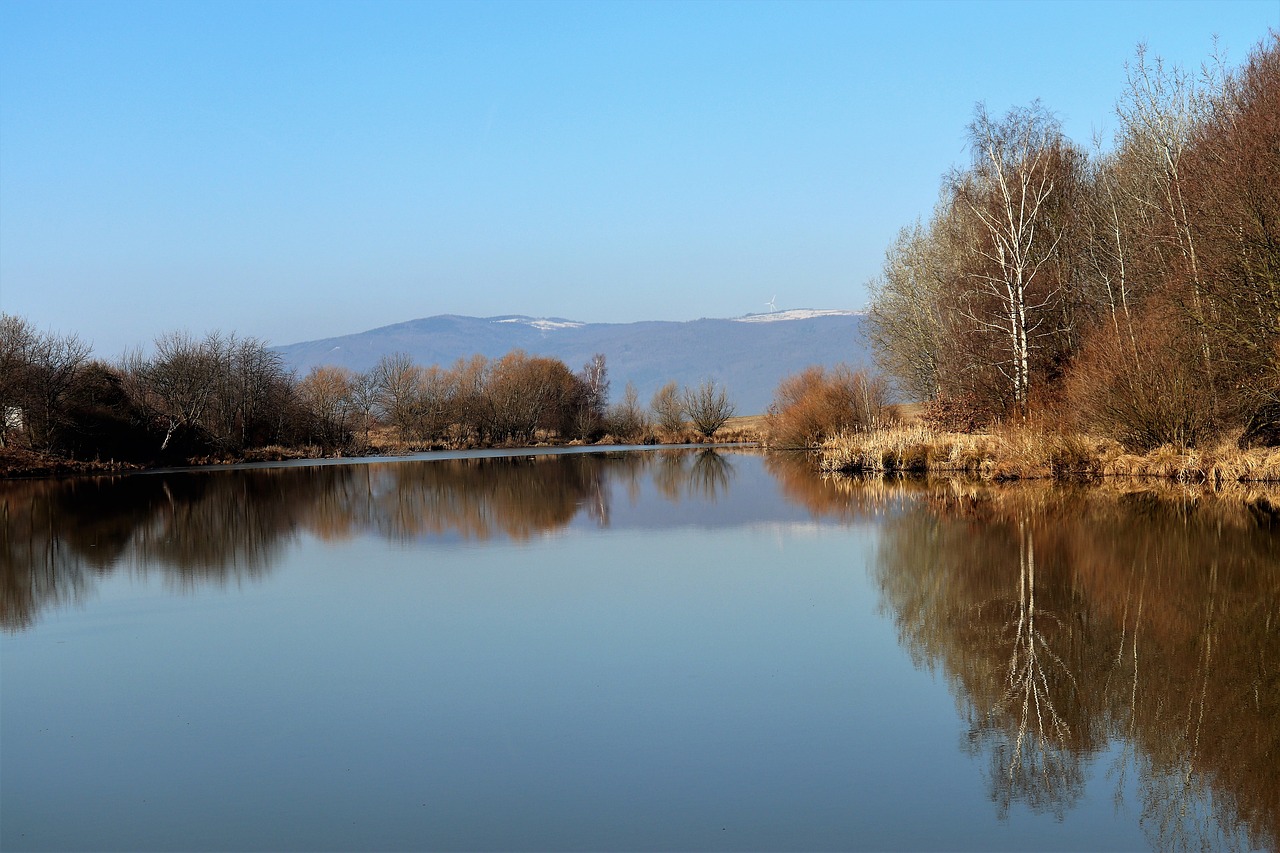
x: 1024, y: 454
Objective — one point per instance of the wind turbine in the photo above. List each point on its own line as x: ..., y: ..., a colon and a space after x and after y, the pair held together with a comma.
x: 773, y: 308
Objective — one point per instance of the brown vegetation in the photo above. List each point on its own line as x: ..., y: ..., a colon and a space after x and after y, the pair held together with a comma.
x: 818, y: 404
x: 1030, y: 453
x: 667, y: 408
x: 1135, y: 294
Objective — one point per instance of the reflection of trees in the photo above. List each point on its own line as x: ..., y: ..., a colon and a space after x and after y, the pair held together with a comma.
x: 1031, y: 756
x: 480, y: 498
x: 710, y: 475
x: 57, y: 536
x: 670, y: 474
x: 224, y: 526
x: 680, y: 474
x: 36, y: 570
x: 1065, y: 620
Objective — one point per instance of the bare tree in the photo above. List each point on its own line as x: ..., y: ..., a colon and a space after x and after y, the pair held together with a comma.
x: 327, y: 394
x: 176, y: 384
x: 628, y: 419
x: 473, y: 411
x: 398, y: 383
x: 228, y: 393
x: 668, y: 408
x: 17, y: 343
x: 708, y: 407
x: 252, y: 391
x: 435, y: 403
x: 1160, y: 111
x: 528, y: 393
x: 595, y: 381
x: 59, y: 361
x: 364, y: 402
x: 906, y: 318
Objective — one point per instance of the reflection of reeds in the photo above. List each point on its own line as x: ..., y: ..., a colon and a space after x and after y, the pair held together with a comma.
x: 845, y: 498
x: 1013, y: 454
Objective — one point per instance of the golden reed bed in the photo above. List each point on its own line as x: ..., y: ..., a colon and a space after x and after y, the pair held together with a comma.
x: 1015, y: 454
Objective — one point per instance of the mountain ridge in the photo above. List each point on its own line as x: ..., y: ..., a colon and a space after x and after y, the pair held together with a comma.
x: 749, y: 355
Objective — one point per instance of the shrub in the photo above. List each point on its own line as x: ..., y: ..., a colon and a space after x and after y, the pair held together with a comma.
x: 956, y: 413
x: 1146, y: 391
x: 708, y: 407
x: 815, y: 405
x: 628, y: 420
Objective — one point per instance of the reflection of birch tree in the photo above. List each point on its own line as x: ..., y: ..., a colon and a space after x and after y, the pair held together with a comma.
x: 1031, y: 759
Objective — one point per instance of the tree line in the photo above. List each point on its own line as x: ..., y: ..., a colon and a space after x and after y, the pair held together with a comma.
x: 1132, y: 291
x: 224, y: 395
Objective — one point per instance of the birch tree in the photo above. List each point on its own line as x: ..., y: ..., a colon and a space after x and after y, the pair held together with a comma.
x: 1007, y: 191
x: 176, y: 384
x: 17, y: 341
x: 1159, y: 113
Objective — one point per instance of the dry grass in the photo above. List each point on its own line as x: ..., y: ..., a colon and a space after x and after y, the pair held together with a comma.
x: 745, y: 428
x: 1025, y: 454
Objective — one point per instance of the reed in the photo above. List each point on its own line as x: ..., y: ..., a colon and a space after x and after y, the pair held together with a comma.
x: 1028, y: 454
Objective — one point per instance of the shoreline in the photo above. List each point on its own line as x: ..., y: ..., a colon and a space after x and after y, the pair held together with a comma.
x: 1023, y: 454
x: 1005, y: 456
x: 21, y: 464
x: 18, y: 464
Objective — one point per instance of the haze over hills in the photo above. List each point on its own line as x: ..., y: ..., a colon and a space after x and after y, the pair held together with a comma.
x: 749, y: 355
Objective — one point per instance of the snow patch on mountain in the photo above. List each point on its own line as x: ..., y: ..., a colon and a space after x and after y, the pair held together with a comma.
x: 545, y: 324
x: 795, y: 314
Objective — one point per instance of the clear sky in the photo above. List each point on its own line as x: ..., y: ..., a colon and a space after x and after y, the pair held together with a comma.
x: 295, y: 170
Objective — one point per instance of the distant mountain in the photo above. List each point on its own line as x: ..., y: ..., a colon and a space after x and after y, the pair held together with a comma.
x: 749, y: 355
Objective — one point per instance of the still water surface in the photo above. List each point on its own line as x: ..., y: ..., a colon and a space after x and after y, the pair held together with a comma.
x: 647, y: 650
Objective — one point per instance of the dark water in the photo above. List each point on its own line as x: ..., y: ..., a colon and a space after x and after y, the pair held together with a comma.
x: 653, y: 650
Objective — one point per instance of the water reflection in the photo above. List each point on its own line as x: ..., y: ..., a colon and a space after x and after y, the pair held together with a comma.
x: 1073, y: 622
x: 705, y: 474
x: 1132, y: 634
x: 219, y: 527
x: 845, y: 499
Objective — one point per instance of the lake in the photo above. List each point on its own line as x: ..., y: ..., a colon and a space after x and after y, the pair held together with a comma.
x: 658, y: 649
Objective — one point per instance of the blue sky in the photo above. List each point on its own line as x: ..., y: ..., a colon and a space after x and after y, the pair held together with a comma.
x: 298, y: 170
